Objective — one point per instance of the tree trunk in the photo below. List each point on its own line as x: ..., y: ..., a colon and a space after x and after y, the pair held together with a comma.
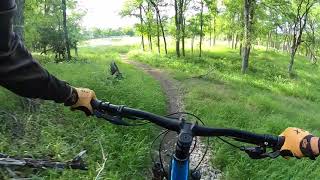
x: 237, y: 40
x: 292, y: 55
x: 183, y: 37
x: 192, y: 42
x: 150, y: 42
x: 299, y: 26
x: 214, y: 30
x: 248, y: 20
x: 210, y: 33
x: 141, y: 23
x: 65, y: 29
x: 201, y: 29
x: 158, y: 34
x: 161, y: 25
x: 177, y: 28
x: 163, y: 35
x: 182, y: 27
x: 268, y: 39
x: 149, y: 27
x: 76, y: 49
x: 233, y: 43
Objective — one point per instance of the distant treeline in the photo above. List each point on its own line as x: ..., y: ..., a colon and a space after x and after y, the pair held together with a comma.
x: 109, y: 32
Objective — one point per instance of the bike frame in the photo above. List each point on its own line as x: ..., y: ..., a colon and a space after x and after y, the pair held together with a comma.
x: 179, y: 169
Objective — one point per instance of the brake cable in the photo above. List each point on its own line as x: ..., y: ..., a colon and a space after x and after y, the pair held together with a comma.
x: 257, y: 152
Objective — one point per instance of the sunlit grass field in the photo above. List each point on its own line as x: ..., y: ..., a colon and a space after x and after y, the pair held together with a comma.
x: 266, y: 100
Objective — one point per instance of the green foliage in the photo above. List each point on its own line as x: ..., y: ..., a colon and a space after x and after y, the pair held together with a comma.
x: 56, y: 131
x: 45, y: 33
x: 265, y: 100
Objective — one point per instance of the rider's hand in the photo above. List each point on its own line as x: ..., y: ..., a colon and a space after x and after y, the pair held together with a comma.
x: 299, y: 143
x: 81, y: 98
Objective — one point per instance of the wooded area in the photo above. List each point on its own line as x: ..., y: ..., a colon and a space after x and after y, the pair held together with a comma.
x: 47, y: 27
x: 290, y: 26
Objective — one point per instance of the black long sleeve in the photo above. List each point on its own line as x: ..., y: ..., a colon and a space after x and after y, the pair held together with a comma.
x: 19, y: 72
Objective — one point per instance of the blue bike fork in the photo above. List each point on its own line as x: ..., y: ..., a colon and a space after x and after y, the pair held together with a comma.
x: 179, y: 169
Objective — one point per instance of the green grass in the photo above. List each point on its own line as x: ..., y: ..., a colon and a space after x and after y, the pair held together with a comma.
x: 265, y: 100
x: 56, y: 131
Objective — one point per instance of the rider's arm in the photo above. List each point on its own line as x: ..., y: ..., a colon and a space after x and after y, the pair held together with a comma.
x: 19, y: 72
x: 300, y: 143
x: 23, y: 75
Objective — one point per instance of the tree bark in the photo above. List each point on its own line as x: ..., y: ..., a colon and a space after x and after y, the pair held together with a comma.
x: 149, y: 27
x: 233, y: 42
x: 158, y: 35
x: 150, y: 42
x: 182, y: 25
x: 141, y: 24
x: 192, y: 42
x: 201, y: 29
x: 163, y: 35
x: 177, y: 22
x: 76, y: 49
x: 183, y: 37
x: 237, y: 40
x: 65, y: 29
x: 292, y: 55
x: 248, y: 20
x: 214, y: 29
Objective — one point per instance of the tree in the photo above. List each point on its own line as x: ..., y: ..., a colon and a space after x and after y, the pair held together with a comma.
x: 178, y: 26
x: 141, y: 26
x: 65, y: 29
x: 302, y: 10
x: 213, y: 12
x: 249, y: 7
x: 160, y: 22
x: 135, y: 8
x: 312, y: 41
x: 46, y: 32
x: 201, y: 27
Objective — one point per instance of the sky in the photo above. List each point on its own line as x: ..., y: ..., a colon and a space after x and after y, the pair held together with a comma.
x: 104, y: 14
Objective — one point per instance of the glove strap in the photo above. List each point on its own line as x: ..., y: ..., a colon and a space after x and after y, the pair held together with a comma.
x: 306, y: 149
x: 73, y: 98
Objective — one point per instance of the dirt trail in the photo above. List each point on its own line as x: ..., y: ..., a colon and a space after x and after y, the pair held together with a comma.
x: 174, y: 94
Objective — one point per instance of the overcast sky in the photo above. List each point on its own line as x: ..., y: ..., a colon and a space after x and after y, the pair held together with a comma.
x: 104, y: 14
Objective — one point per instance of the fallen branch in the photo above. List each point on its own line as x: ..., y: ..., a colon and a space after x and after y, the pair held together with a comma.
x: 75, y: 163
x: 204, y: 75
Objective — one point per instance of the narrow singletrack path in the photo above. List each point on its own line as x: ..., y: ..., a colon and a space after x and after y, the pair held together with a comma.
x: 174, y: 93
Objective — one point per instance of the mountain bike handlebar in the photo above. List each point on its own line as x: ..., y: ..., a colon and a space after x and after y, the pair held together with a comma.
x: 172, y: 124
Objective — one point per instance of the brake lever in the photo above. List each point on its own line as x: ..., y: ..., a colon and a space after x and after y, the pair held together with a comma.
x: 117, y: 120
x: 260, y: 152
